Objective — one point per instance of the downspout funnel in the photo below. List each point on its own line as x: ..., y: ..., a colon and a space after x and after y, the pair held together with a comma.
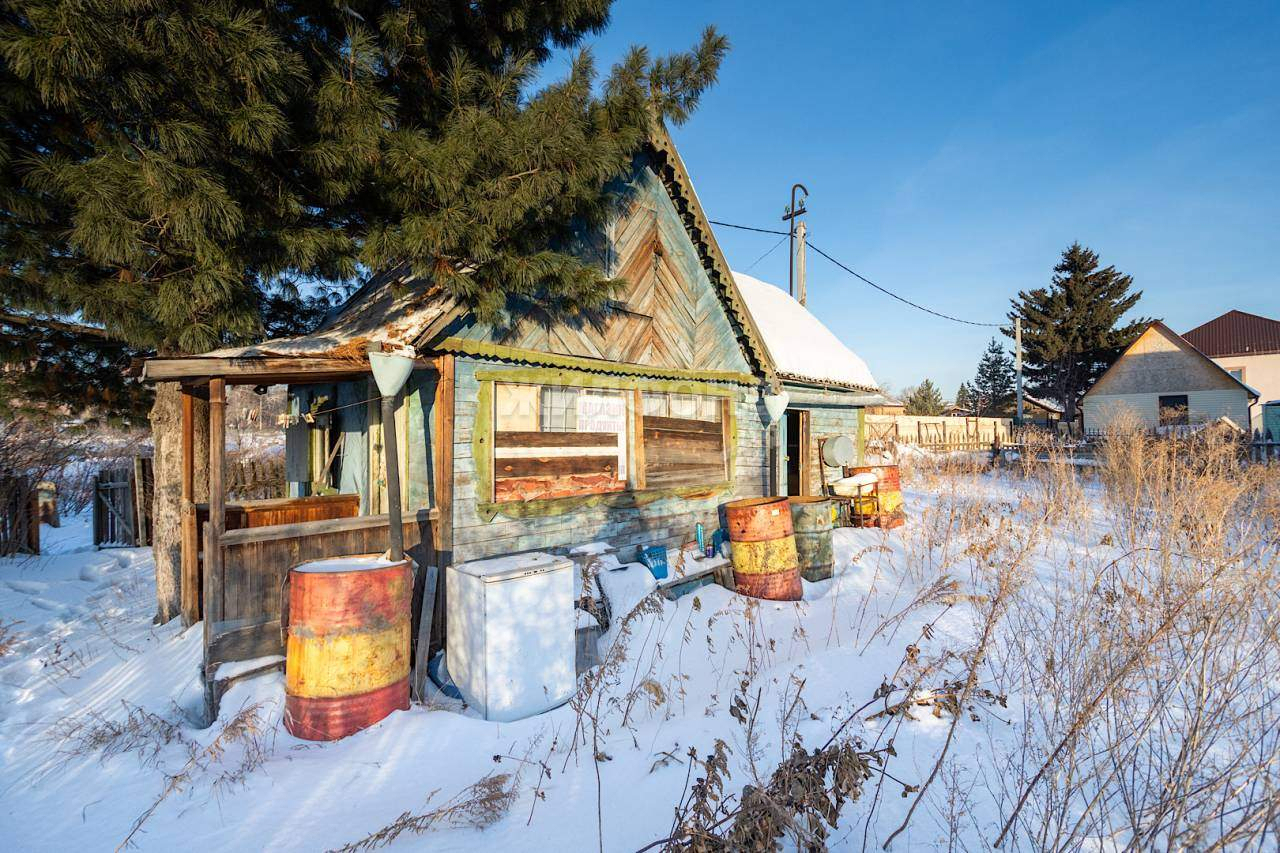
x: 391, y: 370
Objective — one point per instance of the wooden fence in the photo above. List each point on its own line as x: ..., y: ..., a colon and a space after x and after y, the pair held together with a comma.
x: 19, y: 516
x: 122, y: 505
x: 885, y: 432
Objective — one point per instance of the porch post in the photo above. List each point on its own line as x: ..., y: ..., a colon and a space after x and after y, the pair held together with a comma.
x: 190, y: 592
x: 217, y: 504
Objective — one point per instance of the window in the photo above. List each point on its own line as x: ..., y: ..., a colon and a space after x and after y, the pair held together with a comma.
x: 1237, y: 373
x: 553, y: 441
x: 684, y: 441
x: 1174, y: 410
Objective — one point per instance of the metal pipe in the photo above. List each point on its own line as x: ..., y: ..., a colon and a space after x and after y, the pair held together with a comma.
x: 391, y: 454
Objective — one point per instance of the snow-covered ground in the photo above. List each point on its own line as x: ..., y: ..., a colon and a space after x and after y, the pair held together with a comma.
x: 95, y: 707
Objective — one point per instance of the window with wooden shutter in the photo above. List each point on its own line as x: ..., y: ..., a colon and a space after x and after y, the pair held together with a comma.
x: 685, y: 441
x: 553, y: 441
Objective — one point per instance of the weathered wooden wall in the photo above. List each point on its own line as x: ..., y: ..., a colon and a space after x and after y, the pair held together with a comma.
x: 671, y: 314
x: 668, y: 520
x: 830, y: 414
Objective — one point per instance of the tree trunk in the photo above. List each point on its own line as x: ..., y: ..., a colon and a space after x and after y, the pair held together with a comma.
x: 166, y: 534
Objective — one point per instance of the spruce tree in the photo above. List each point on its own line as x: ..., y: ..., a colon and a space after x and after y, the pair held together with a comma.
x: 993, y: 384
x: 173, y: 170
x: 965, y: 400
x: 924, y: 399
x: 1072, y: 330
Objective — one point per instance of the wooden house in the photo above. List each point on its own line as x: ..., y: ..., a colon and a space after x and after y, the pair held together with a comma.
x: 629, y: 426
x: 1161, y: 380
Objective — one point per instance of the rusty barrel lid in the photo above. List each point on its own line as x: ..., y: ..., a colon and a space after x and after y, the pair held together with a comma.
x: 758, y: 519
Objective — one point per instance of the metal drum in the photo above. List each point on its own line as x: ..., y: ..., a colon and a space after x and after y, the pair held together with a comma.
x: 812, y: 520
x: 765, y: 564
x: 888, y: 509
x: 347, y: 656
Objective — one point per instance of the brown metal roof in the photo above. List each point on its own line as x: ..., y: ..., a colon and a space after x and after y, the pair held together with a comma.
x: 1236, y: 333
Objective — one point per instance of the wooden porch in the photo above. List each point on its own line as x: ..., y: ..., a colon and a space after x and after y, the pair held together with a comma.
x: 236, y: 556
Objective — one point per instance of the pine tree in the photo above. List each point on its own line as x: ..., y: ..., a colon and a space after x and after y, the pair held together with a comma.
x: 174, y: 170
x: 1072, y: 330
x: 924, y: 399
x: 966, y: 400
x: 993, y: 384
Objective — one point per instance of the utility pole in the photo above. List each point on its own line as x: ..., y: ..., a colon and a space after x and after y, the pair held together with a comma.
x: 1017, y: 362
x: 801, y: 230
x: 793, y: 210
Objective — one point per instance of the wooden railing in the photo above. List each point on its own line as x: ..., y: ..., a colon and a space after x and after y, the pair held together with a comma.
x: 246, y: 607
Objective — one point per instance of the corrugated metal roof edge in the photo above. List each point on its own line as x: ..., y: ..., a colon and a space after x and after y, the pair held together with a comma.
x: 498, y: 352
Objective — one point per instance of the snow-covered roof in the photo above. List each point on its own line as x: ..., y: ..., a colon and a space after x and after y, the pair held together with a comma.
x: 802, y: 348
x: 1047, y: 405
x: 390, y: 308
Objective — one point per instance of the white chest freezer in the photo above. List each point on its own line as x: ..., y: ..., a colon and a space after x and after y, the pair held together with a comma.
x: 510, y: 636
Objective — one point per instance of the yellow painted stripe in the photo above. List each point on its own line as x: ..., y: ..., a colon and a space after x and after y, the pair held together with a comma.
x: 346, y: 664
x: 762, y: 558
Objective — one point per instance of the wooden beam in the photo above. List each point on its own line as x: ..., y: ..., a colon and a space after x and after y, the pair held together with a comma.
x: 190, y: 559
x: 261, y: 369
x: 300, y: 529
x: 637, y: 439
x: 442, y: 449
x: 217, y: 524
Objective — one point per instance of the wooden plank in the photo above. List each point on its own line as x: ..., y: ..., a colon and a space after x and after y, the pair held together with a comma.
x: 442, y: 449
x: 660, y: 440
x: 554, y: 466
x: 554, y: 439
x: 637, y: 433
x: 276, y: 369
x: 217, y: 500
x: 426, y: 615
x: 274, y: 533
x: 682, y: 425
x: 245, y: 642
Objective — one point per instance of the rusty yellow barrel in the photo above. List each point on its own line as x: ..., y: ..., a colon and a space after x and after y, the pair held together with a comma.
x: 886, y: 510
x: 765, y: 564
x: 347, y: 655
x: 811, y: 518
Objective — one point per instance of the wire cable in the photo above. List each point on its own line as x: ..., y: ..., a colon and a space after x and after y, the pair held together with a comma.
x: 767, y: 254
x: 903, y: 300
x: 857, y: 275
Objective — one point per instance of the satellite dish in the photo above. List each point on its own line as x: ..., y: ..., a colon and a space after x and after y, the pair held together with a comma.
x: 838, y: 451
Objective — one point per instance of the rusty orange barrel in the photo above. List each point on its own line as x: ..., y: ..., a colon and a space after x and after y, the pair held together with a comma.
x: 812, y: 519
x: 347, y: 655
x: 765, y: 564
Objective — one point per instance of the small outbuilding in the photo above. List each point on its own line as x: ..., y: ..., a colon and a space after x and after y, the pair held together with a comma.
x: 1164, y: 381
x: 827, y: 385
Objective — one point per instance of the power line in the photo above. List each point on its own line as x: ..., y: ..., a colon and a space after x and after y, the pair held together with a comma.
x: 901, y: 299
x: 749, y: 228
x: 767, y: 254
x: 860, y: 277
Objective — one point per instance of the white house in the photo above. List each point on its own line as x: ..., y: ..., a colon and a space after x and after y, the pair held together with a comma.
x: 1163, y: 380
x: 1246, y: 346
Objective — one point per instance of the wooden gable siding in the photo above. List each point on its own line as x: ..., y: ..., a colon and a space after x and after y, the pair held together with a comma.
x: 1160, y: 362
x: 669, y: 315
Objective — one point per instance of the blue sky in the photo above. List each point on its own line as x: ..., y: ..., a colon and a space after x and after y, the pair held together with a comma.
x: 953, y: 150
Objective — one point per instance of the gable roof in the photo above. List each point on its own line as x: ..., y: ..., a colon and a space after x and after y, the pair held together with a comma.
x: 1236, y: 333
x: 395, y: 307
x: 803, y: 349
x: 1164, y: 329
